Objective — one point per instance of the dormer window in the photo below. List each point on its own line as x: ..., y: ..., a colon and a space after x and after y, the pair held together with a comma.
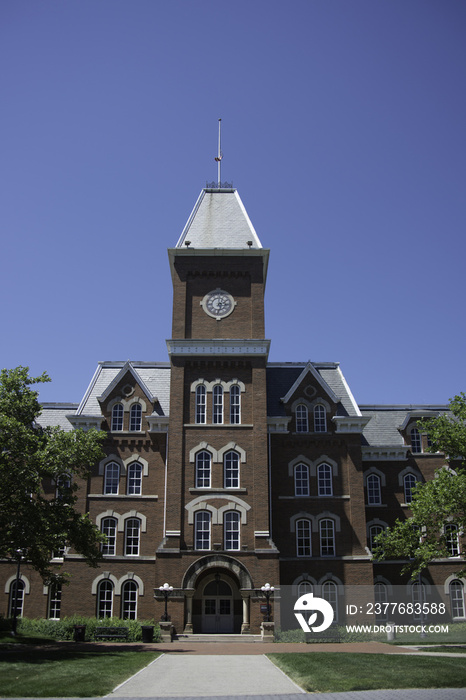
x: 416, y: 442
x: 117, y: 417
x: 320, y: 419
x: 302, y: 419
x: 135, y: 417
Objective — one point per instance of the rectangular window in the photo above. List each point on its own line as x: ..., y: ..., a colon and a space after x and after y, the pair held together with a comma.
x: 109, y: 528
x: 232, y: 530
x: 324, y: 480
x: 112, y: 478
x: 301, y: 480
x: 55, y: 602
x: 202, y: 530
x: 217, y: 393
x: 201, y: 404
x: 132, y: 530
x: 235, y: 405
x: 374, y: 497
x: 327, y: 538
x: 134, y: 481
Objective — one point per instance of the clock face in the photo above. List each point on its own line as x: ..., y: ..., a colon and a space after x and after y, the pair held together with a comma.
x: 218, y: 304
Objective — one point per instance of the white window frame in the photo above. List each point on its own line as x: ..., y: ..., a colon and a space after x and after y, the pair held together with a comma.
x: 374, y: 531
x: 329, y: 593
x: 374, y: 490
x: 112, y: 479
x: 132, y: 537
x: 232, y: 530
x: 203, y: 470
x: 303, y: 528
x: 408, y: 487
x: 235, y: 404
x: 327, y: 537
x: 200, y: 405
x: 456, y: 590
x: 302, y: 418
x: 231, y: 469
x: 320, y: 419
x: 217, y: 404
x: 452, y: 540
x: 134, y: 479
x: 19, y: 602
x: 129, y: 600
x: 54, y: 601
x: 105, y: 594
x: 202, y: 530
x: 301, y: 479
x: 109, y: 527
x: 416, y: 441
x: 135, y: 417
x: 117, y: 418
x: 324, y: 479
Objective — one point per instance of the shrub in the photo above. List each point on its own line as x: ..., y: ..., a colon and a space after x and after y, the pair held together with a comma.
x: 63, y: 629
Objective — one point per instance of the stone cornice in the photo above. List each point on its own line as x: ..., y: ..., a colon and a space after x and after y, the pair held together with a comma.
x: 384, y: 453
x: 350, y: 424
x: 218, y: 346
x: 85, y: 422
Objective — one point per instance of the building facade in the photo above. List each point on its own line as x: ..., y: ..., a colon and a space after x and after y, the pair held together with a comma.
x: 224, y: 471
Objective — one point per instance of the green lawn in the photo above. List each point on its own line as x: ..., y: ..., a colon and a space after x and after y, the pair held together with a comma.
x: 445, y: 649
x: 329, y: 672
x: 40, y: 673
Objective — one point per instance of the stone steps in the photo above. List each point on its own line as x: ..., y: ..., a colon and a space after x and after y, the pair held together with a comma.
x: 223, y: 638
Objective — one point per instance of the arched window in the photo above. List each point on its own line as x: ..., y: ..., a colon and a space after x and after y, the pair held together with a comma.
x: 324, y: 480
x: 200, y: 404
x: 134, y: 479
x: 112, y: 478
x: 374, y: 493
x: 16, y: 598
x: 231, y: 523
x: 320, y: 419
x: 456, y: 599
x: 303, y: 538
x: 374, y: 531
x: 202, y: 529
x: 409, y: 482
x: 301, y: 480
x: 330, y: 594
x: 203, y: 470
x: 109, y: 528
x: 327, y: 538
x: 452, y: 540
x: 381, y: 600
x: 132, y: 532
x: 302, y: 419
x: 117, y: 417
x: 105, y: 598
x: 235, y: 404
x: 54, y: 601
x: 217, y: 404
x: 135, y: 417
x: 304, y: 587
x: 416, y: 444
x: 129, y: 600
x: 231, y: 470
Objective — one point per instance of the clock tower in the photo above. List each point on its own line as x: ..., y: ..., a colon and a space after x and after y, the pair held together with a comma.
x: 217, y: 548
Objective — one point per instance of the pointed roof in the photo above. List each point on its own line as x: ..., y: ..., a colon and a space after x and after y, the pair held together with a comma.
x: 219, y: 220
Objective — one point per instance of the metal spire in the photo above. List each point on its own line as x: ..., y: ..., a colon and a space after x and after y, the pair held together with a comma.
x: 219, y: 156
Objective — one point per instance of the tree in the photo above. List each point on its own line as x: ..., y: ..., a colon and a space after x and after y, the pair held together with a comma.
x: 39, y: 471
x: 439, y: 506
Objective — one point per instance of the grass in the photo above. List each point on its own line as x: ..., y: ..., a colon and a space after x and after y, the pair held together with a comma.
x: 41, y: 673
x: 445, y: 649
x: 328, y: 672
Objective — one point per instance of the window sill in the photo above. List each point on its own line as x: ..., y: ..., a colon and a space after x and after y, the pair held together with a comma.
x: 218, y: 425
x: 122, y: 497
x: 214, y: 490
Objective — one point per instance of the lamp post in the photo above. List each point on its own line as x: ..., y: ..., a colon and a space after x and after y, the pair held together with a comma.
x: 165, y: 591
x: 267, y: 590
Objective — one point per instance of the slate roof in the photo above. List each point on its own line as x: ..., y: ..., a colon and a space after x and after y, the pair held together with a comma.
x: 383, y: 427
x: 54, y: 414
x: 154, y: 375
x: 219, y: 220
x: 281, y: 377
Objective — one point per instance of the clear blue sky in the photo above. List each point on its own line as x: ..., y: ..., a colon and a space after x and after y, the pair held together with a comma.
x: 343, y: 128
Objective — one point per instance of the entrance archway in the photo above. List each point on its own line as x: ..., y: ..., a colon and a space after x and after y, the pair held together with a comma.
x: 217, y: 590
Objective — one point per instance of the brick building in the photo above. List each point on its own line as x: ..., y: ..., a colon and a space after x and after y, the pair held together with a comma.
x: 224, y: 471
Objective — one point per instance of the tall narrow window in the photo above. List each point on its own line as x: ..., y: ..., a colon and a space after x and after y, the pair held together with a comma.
x: 202, y: 529
x: 117, y: 417
x: 16, y: 598
x: 302, y: 419
x: 416, y: 444
x: 54, y: 601
x: 203, y: 469
x: 374, y: 495
x: 330, y: 594
x: 217, y: 404
x: 324, y: 480
x: 112, y: 478
x: 231, y: 470
x: 109, y: 528
x: 200, y: 404
x: 232, y: 529
x: 135, y: 417
x: 301, y: 480
x: 134, y: 479
x: 457, y: 599
x: 409, y: 483
x: 374, y: 531
x: 327, y: 538
x: 320, y: 419
x: 303, y: 538
x: 418, y: 597
x: 235, y: 404
x: 105, y: 599
x: 452, y: 540
x: 132, y: 531
x: 129, y: 600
